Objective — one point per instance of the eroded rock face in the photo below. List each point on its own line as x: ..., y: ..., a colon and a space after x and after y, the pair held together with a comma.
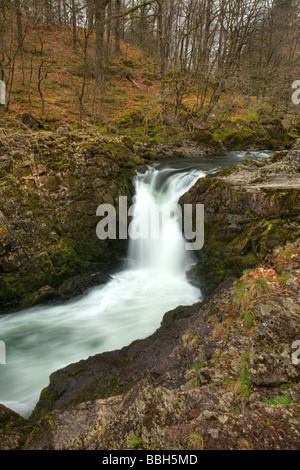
x: 50, y: 188
x: 250, y: 209
x: 217, y: 375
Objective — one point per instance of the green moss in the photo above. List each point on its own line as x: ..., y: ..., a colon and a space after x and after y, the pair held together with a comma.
x: 198, y: 366
x: 46, y: 403
x: 243, y: 381
x: 241, y: 134
x: 205, y: 137
x: 214, y: 266
x: 250, y: 320
x: 280, y: 400
x: 220, y: 259
x: 135, y: 441
x: 179, y: 312
x: 227, y: 171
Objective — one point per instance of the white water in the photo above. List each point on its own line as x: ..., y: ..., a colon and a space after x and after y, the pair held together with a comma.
x: 43, y: 339
x: 46, y: 338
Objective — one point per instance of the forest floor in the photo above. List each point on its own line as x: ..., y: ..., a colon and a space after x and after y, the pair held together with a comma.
x: 50, y: 78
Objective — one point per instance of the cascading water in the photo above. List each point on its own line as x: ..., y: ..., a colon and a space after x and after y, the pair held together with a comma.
x: 43, y: 339
x: 157, y: 194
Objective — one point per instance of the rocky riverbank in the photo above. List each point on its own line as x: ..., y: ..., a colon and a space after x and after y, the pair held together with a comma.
x: 217, y: 375
x: 250, y: 209
x: 50, y: 187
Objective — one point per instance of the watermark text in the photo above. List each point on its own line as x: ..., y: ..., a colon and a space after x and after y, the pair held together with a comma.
x: 296, y: 354
x: 296, y: 94
x: 2, y: 353
x: 2, y: 92
x: 152, y: 222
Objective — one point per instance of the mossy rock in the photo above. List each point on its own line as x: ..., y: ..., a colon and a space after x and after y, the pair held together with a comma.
x: 242, y: 135
x: 13, y: 429
x: 205, y: 137
x: 48, y: 215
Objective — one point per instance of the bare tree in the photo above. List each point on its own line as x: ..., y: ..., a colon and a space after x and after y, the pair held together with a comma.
x: 100, y: 6
x: 42, y: 73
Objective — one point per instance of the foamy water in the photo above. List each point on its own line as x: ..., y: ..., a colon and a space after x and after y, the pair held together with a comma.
x: 44, y: 339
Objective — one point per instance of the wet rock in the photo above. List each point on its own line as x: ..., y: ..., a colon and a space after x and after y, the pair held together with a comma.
x: 80, y: 284
x: 42, y: 296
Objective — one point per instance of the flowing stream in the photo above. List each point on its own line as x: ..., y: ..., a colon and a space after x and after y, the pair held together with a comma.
x: 43, y: 339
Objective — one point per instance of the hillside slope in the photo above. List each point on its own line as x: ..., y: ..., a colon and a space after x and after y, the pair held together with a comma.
x: 53, y: 85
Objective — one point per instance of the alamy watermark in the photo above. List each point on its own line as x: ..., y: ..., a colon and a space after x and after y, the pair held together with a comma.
x: 148, y: 223
x: 2, y: 353
x: 296, y: 94
x: 296, y: 354
x: 2, y: 92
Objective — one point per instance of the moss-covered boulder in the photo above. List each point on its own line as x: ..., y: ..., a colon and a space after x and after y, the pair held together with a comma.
x: 263, y: 134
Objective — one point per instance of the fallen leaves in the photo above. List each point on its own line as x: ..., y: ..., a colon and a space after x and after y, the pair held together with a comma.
x: 264, y: 273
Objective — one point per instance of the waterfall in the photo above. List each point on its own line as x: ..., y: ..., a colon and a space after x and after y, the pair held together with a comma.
x: 157, y: 194
x: 43, y: 339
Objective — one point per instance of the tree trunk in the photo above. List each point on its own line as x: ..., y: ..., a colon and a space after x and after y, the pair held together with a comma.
x: 214, y: 99
x: 100, y: 6
x: 74, y: 25
x: 162, y: 56
x: 118, y: 27
x: 108, y: 33
x: 90, y: 16
x: 19, y: 24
